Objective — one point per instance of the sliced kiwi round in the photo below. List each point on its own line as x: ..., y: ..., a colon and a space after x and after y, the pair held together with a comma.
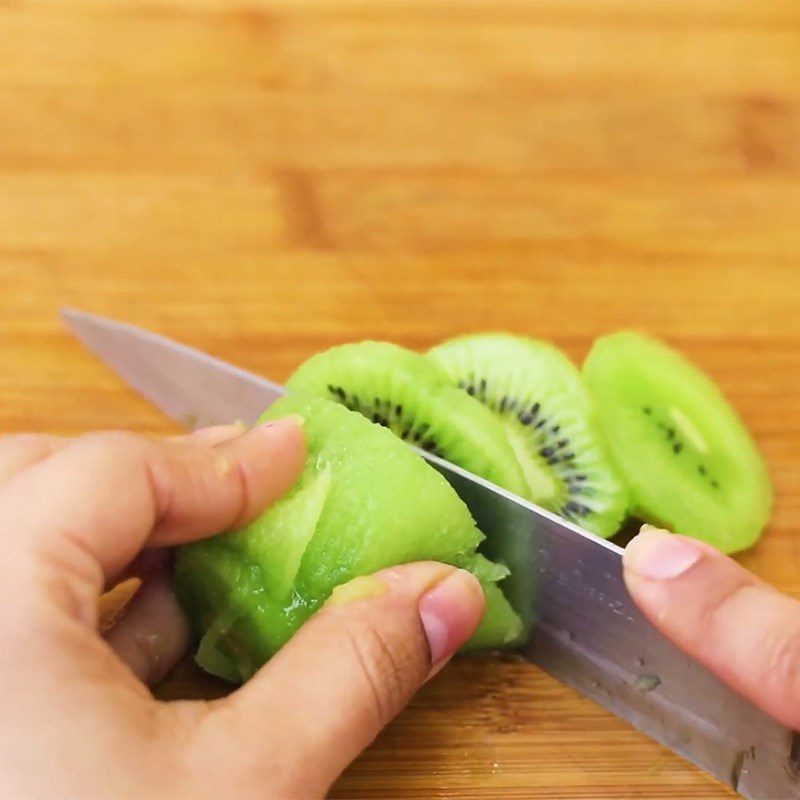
x: 364, y: 501
x: 409, y: 394
x: 688, y: 460
x: 536, y: 394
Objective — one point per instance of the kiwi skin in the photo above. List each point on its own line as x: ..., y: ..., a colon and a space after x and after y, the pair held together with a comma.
x: 413, y: 397
x: 536, y: 393
x: 690, y: 464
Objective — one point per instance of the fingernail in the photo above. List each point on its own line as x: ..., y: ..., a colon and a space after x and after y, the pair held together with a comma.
x: 357, y: 589
x: 658, y: 555
x: 450, y: 612
x: 112, y: 603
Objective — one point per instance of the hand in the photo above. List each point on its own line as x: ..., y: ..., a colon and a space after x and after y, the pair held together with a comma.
x: 77, y: 721
x: 735, y: 624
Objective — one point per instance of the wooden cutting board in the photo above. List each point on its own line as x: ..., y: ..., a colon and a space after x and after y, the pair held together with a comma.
x: 265, y: 179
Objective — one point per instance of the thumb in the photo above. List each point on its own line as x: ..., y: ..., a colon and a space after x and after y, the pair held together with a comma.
x: 351, y: 668
x: 733, y: 623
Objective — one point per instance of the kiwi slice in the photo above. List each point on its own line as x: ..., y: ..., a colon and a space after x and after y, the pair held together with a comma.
x: 689, y: 462
x: 364, y: 501
x: 409, y: 394
x: 537, y: 395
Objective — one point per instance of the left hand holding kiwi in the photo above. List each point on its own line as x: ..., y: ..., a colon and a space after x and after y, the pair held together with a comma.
x: 78, y: 720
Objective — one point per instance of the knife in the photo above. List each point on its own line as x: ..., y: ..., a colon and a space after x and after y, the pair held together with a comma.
x: 566, y: 583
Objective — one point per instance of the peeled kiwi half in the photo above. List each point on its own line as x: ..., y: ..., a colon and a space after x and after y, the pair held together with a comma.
x: 687, y: 458
x: 364, y: 501
x: 413, y: 397
x: 536, y: 394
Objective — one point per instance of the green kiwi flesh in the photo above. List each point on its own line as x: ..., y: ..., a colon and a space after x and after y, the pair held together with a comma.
x: 364, y: 501
x: 687, y: 458
x: 409, y: 394
x: 537, y: 395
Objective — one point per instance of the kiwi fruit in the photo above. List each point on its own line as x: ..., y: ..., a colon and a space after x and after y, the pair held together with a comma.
x: 364, y: 501
x: 409, y: 394
x: 687, y: 458
x: 536, y: 394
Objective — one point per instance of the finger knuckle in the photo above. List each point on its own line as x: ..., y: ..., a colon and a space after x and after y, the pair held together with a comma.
x: 388, y: 668
x: 242, y: 485
x: 783, y: 663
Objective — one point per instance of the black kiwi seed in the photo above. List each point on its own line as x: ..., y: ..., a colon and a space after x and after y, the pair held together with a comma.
x: 381, y: 412
x: 525, y: 418
x: 577, y: 508
x: 576, y: 480
x: 678, y: 446
x: 338, y: 391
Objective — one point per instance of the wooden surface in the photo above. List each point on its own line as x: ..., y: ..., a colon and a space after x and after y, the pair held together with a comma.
x: 263, y: 180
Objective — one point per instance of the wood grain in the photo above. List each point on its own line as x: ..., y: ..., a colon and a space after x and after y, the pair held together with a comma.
x: 265, y: 179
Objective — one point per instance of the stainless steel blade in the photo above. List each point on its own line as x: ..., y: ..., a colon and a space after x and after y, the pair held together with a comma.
x: 589, y: 634
x: 587, y: 631
x: 192, y: 387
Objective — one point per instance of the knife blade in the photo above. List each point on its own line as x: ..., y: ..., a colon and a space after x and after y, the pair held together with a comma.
x: 566, y: 583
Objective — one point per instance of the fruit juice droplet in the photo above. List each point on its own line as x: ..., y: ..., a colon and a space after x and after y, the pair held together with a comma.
x: 321, y: 463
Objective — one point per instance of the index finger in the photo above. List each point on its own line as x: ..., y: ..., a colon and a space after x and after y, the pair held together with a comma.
x: 83, y: 514
x: 733, y: 623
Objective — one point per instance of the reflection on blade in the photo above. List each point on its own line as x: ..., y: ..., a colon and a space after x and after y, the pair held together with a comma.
x: 587, y: 632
